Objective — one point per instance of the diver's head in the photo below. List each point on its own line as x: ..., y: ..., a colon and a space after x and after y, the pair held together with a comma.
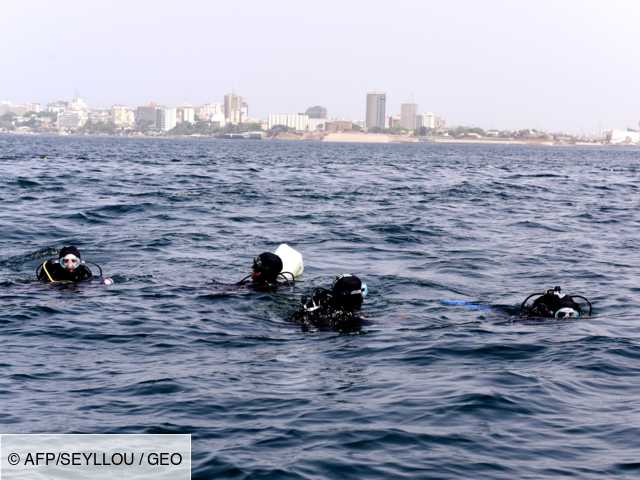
x: 69, y: 258
x: 349, y: 291
x: 266, y: 268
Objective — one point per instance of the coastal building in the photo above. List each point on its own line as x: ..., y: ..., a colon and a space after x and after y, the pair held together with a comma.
x: 57, y: 107
x: 212, y: 112
x: 623, y: 137
x: 408, y: 112
x: 249, y: 120
x: 8, y: 107
x: 5, y: 107
x: 336, y: 126
x: 33, y: 107
x: 376, y: 110
x: 186, y: 114
x: 234, y: 107
x: 317, y: 111
x: 429, y: 120
x: 71, y: 120
x: 122, y: 116
x: 394, y: 122
x: 74, y: 115
x: 78, y: 105
x: 146, y: 116
x: 209, y: 110
x: 294, y: 121
x: 166, y: 118
x: 100, y: 116
x: 244, y: 112
x: 316, y: 124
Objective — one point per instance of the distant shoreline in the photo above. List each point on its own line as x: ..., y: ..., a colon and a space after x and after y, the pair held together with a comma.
x: 356, y: 137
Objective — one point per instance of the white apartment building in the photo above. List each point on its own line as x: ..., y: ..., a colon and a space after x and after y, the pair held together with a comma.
x: 623, y: 137
x: 212, y: 112
x: 186, y: 114
x: 295, y: 121
x: 206, y: 111
x: 75, y: 114
x: 428, y: 120
x: 34, y: 107
x: 78, y: 104
x: 317, y: 124
x: 166, y: 118
x: 57, y: 107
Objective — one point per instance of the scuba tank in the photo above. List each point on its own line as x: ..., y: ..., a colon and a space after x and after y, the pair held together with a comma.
x: 292, y: 264
x: 554, y: 303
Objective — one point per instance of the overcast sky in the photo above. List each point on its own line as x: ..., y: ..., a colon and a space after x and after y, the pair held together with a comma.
x: 559, y: 65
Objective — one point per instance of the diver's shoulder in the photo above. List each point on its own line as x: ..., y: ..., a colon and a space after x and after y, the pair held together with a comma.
x: 52, y: 266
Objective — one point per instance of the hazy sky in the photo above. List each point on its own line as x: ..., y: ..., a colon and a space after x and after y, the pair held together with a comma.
x: 571, y: 65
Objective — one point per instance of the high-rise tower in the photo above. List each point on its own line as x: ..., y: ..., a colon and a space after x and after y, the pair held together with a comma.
x: 408, y: 112
x: 234, y: 105
x: 376, y: 110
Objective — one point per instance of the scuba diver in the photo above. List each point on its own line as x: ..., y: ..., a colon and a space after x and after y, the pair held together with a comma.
x: 336, y: 308
x: 68, y: 268
x: 271, y: 269
x: 554, y: 304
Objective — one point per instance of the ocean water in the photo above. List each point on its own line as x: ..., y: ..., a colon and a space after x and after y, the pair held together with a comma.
x: 444, y: 379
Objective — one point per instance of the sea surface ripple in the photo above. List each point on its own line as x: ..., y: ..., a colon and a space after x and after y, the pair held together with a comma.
x: 430, y: 387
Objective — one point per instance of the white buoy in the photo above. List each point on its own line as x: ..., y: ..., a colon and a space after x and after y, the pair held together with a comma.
x: 291, y: 260
x: 108, y: 281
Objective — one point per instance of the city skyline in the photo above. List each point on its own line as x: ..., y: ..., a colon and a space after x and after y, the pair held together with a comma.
x: 568, y: 66
x: 233, y: 109
x: 242, y: 112
x: 71, y: 115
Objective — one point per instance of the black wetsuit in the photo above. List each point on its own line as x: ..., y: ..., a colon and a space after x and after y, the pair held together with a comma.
x: 548, y: 304
x: 52, y: 271
x: 323, y: 312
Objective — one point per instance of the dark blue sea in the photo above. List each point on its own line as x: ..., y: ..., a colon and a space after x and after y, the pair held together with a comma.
x: 444, y: 379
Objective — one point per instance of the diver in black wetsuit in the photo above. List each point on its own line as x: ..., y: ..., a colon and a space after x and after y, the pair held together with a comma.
x: 68, y: 268
x: 266, y: 271
x: 554, y: 304
x: 335, y: 309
